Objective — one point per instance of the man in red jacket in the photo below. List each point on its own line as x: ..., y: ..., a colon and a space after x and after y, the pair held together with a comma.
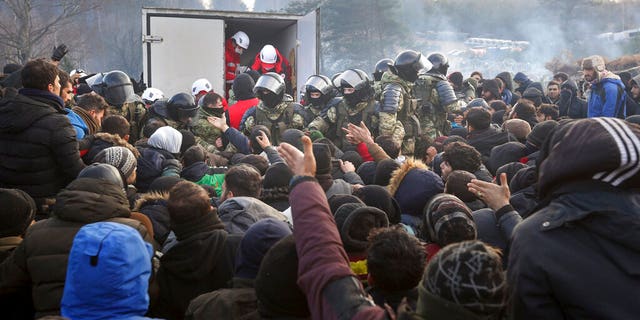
x: 233, y: 48
x: 270, y: 60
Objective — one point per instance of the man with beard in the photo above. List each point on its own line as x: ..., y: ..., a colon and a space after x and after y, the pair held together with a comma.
x: 553, y: 92
x: 607, y: 96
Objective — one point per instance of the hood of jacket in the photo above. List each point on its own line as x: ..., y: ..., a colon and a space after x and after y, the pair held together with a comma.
x: 239, y: 213
x: 506, y: 78
x: 194, y: 172
x: 95, y: 286
x: 89, y: 200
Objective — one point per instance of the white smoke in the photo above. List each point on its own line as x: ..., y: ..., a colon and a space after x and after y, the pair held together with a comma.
x: 206, y: 4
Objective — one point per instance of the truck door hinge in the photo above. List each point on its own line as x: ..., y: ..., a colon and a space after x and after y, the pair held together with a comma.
x: 151, y: 39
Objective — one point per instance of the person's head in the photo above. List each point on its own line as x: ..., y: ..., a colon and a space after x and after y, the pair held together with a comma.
x: 593, y: 67
x: 478, y: 119
x: 318, y: 90
x: 456, y: 78
x: 166, y: 138
x: 187, y: 201
x: 490, y: 90
x: 540, y: 132
x: 476, y: 75
x: 151, y: 95
x: 467, y: 275
x: 269, y: 57
x: 547, y: 112
x: 424, y: 149
x: 518, y: 127
x: 635, y: 87
x: 379, y: 197
x: 560, y: 77
x: 257, y: 161
x: 123, y: 159
x: 524, y: 109
x: 66, y: 87
x: 390, y: 147
x: 412, y: 185
x: 199, y: 88
x: 446, y: 220
x: 42, y: 75
x: 182, y: 108
x: 211, y: 104
x: 255, y: 244
x: 355, y: 87
x: 457, y: 185
x: 439, y: 63
x: 270, y: 89
x: 193, y: 155
x: 408, y: 63
x: 243, y: 87
x: 95, y: 105
x: 241, y: 180
x: 460, y: 156
x: 395, y: 259
x: 497, y: 105
x: 355, y: 222
x: 18, y: 213
x: 240, y: 42
x: 553, y: 90
x: 116, y: 124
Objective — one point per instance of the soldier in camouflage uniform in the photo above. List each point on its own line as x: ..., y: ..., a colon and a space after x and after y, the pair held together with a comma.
x: 381, y: 67
x: 210, y: 105
x: 116, y: 88
x: 397, y: 97
x: 358, y: 104
x: 320, y: 94
x: 275, y: 110
x: 436, y: 97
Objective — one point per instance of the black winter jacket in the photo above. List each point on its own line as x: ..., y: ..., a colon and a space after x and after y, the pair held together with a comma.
x: 38, y: 146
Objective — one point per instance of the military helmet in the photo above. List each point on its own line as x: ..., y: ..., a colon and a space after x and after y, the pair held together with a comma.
x: 319, y: 83
x: 182, y: 106
x: 440, y: 63
x: 381, y: 67
x: 115, y: 87
x: 274, y: 85
x: 407, y: 65
x: 354, y: 78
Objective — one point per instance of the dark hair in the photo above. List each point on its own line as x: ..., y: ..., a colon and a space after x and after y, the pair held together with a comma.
x: 478, y: 118
x: 462, y: 156
x: 498, y: 105
x: 390, y: 147
x: 395, y: 259
x: 553, y: 83
x: 210, y: 98
x: 244, y: 181
x: 561, y: 75
x: 549, y: 110
x: 194, y: 154
x: 151, y: 126
x: 38, y: 74
x: 501, y: 84
x: 64, y: 79
x: 257, y: 161
x: 255, y: 132
x: 187, y: 201
x: 478, y: 73
x: 525, y: 109
x: 116, y: 124
x: 423, y: 142
x: 457, y: 185
x: 92, y: 101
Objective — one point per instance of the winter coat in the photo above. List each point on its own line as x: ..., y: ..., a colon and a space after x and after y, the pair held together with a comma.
x: 239, y: 213
x: 38, y: 146
x: 201, y: 261
x: 101, y: 141
x: 484, y: 140
x: 282, y: 67
x: 588, y: 268
x: 154, y: 163
x: 232, y: 303
x: 237, y: 110
x: 607, y: 98
x: 231, y: 60
x: 570, y: 104
x: 154, y: 206
x: 40, y: 261
x: 495, y: 231
x: 77, y: 123
x: 202, y: 174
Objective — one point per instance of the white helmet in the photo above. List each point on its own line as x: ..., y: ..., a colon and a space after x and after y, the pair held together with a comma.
x: 201, y: 85
x: 152, y: 94
x: 79, y: 72
x: 268, y: 54
x: 242, y: 39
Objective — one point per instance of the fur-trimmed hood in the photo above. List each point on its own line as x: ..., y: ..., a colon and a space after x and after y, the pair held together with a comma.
x: 115, y: 140
x: 412, y: 185
x: 149, y: 199
x: 398, y: 174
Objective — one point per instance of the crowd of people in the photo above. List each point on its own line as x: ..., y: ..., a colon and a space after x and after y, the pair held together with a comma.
x: 410, y: 193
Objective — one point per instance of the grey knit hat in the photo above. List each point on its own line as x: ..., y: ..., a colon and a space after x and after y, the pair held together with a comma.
x: 119, y: 157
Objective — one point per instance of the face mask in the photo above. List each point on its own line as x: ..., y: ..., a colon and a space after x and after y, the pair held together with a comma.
x: 216, y: 112
x: 270, y: 100
x: 352, y: 99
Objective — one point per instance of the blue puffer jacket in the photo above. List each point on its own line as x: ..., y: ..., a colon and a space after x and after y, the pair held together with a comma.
x: 607, y: 98
x: 77, y: 123
x: 108, y: 274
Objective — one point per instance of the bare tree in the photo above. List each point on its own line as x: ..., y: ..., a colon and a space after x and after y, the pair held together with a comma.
x: 28, y: 27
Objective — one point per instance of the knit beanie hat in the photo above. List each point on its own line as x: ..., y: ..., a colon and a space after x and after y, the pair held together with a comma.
x: 540, y: 132
x: 278, y: 175
x: 532, y: 93
x: 243, y: 87
x: 18, y: 210
x: 337, y: 200
x: 355, y: 221
x: 468, y: 274
x: 276, y: 285
x: 119, y: 157
x: 413, y: 186
x: 293, y: 137
x: 379, y: 197
x: 447, y: 220
x: 520, y: 77
x: 505, y: 153
x: 384, y: 170
x: 367, y: 171
x: 492, y: 86
x: 323, y: 158
x: 316, y: 135
x: 255, y: 243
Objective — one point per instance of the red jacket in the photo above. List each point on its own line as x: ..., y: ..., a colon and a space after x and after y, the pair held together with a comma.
x: 282, y: 66
x: 231, y: 60
x: 237, y: 110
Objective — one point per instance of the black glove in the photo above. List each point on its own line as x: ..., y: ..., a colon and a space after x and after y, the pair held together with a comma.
x: 59, y: 52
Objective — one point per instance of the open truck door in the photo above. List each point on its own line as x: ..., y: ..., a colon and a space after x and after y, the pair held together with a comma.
x: 308, y: 62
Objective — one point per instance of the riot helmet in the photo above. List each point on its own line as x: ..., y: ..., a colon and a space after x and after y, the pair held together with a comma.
x: 116, y: 88
x: 408, y: 64
x: 381, y: 67
x: 151, y: 95
x: 270, y: 89
x: 182, y: 107
x: 357, y: 80
x: 439, y: 62
x: 319, y: 84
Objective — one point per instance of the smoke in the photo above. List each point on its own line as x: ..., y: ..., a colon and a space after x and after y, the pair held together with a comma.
x: 206, y: 4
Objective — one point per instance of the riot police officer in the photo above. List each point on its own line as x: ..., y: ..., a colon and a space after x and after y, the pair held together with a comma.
x: 116, y: 88
x: 436, y: 97
x: 397, y: 96
x: 179, y: 112
x: 320, y: 94
x: 381, y: 67
x: 275, y: 110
